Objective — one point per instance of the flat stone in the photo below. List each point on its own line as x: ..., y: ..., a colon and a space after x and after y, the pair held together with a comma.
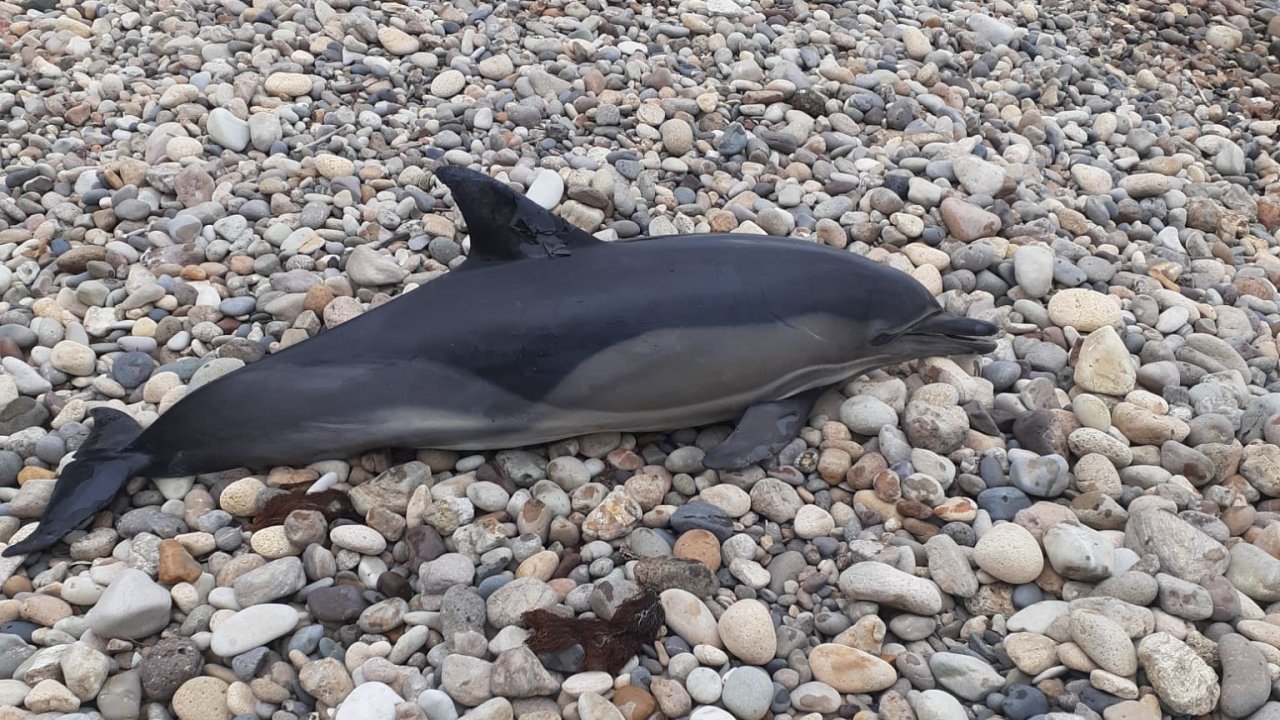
x: 1184, y: 551
x: 1185, y: 683
x: 1246, y: 682
x: 968, y: 222
x: 1104, y: 641
x: 965, y: 675
x: 132, y: 607
x: 887, y: 585
x: 850, y: 670
x: 252, y: 627
x: 1080, y: 553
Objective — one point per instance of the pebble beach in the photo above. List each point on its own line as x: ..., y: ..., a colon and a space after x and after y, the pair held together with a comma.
x: 1084, y: 523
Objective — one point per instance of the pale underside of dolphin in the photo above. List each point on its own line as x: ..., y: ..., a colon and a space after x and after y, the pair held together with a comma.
x: 542, y: 334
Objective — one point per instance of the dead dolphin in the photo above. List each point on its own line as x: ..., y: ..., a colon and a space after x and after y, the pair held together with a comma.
x: 544, y: 333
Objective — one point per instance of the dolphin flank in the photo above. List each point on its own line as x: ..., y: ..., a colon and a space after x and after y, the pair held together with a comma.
x: 542, y: 334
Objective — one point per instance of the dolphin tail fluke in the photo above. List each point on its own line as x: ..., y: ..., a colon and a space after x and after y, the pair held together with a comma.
x: 103, y: 464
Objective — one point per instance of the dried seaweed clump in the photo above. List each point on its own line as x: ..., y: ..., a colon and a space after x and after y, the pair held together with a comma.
x: 333, y: 504
x: 595, y: 643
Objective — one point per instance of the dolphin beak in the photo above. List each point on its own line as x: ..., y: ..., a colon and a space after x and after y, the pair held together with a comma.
x: 943, y: 333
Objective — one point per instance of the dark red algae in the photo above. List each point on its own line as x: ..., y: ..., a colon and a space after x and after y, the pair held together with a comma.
x: 596, y: 643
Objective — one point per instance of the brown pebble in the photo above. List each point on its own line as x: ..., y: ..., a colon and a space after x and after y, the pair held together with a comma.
x: 862, y: 475
x: 194, y: 272
x: 31, y: 472
x: 317, y: 298
x: 286, y: 476
x: 14, y: 585
x: 240, y: 264
x: 634, y: 702
x: 176, y: 564
x: 699, y: 545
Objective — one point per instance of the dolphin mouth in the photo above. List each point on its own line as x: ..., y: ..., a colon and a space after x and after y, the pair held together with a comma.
x: 942, y: 333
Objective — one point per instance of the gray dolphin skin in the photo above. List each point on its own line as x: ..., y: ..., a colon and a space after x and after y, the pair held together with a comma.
x: 542, y: 334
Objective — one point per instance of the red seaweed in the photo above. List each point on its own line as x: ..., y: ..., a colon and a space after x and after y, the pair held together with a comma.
x: 608, y: 644
x: 332, y: 503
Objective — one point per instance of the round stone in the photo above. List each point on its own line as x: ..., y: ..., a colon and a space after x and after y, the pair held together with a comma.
x: 1083, y: 309
x: 1009, y: 553
x: 748, y: 633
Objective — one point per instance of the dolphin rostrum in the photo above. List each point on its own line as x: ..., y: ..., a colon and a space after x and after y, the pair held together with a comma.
x: 542, y: 334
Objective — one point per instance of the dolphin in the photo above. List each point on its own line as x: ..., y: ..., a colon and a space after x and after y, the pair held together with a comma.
x: 543, y: 333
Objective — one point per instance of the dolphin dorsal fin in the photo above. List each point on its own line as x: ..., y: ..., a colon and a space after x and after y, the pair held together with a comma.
x: 505, y: 225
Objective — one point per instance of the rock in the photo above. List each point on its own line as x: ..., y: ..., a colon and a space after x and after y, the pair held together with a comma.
x: 73, y: 358
x: 775, y: 500
x: 1104, y: 641
x: 507, y: 604
x: 978, y: 176
x: 1033, y: 269
x: 1033, y: 653
x: 252, y: 627
x: 1184, y: 551
x: 448, y: 83
x: 120, y: 697
x: 1009, y: 553
x: 368, y: 267
x: 496, y: 67
x: 1185, y: 683
x: 167, y: 665
x: 518, y: 674
x: 850, y: 670
x: 547, y: 188
x: 1254, y: 572
x: 1245, y: 679
x: 613, y: 518
x: 1092, y: 180
x: 202, y: 698
x: 369, y: 701
x: 1145, y: 185
x: 949, y: 567
x: 327, y: 680
x: 337, y: 604
x: 748, y: 693
x: 1261, y: 467
x: 132, y: 607
x: 1184, y: 599
x: 939, y: 428
x: 84, y: 670
x: 1079, y: 553
x: 965, y: 675
x: 466, y: 679
x: 1045, y: 476
x: 50, y: 696
x: 690, y: 618
x: 889, y: 586
x: 1104, y: 365
x: 968, y: 222
x: 677, y: 136
x: 277, y: 579
x: 288, y: 84
x: 865, y: 415
x: 915, y: 43
x: 747, y: 632
x: 1085, y: 310
x: 398, y: 42
x: 228, y: 130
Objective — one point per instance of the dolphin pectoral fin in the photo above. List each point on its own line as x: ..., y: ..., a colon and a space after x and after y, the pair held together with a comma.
x: 763, y: 431
x: 504, y: 225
